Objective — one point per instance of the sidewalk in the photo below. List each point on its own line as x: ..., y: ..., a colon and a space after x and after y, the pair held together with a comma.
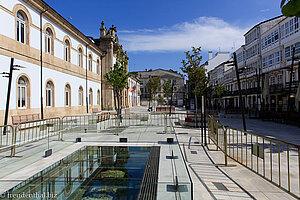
x: 287, y: 133
x: 212, y: 180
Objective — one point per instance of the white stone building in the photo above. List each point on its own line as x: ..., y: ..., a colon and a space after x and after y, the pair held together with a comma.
x: 266, y: 56
x: 72, y: 65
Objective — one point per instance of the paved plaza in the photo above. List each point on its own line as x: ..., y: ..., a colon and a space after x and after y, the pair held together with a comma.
x: 210, y: 178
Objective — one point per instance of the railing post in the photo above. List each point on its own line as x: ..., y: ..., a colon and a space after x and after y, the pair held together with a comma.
x: 13, y: 141
x: 61, y: 128
x: 225, y: 144
x: 216, y: 129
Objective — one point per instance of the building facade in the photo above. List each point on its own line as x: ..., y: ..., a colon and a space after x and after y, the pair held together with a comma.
x: 134, y: 91
x: 264, y: 64
x: 62, y: 70
x: 164, y: 75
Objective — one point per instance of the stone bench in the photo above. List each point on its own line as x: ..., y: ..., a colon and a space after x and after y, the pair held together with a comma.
x: 165, y: 108
x: 29, y: 121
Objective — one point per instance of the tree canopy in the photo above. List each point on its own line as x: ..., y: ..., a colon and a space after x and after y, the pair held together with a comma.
x: 290, y: 9
x: 167, y: 88
x: 117, y: 77
x: 195, y: 71
x: 153, y: 86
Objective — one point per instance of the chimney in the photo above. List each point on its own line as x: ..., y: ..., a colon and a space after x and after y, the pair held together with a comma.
x: 210, y: 55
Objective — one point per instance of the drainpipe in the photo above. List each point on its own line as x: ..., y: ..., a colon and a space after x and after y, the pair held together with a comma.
x: 86, y: 81
x: 41, y: 49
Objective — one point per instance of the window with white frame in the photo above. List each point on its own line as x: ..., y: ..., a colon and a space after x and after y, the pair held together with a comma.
x: 67, y: 50
x: 21, y: 27
x: 90, y: 62
x: 98, y: 97
x: 49, y: 94
x: 80, y: 57
x: 67, y: 95
x: 49, y: 42
x: 80, y: 96
x: 22, y: 92
x: 90, y: 96
x: 98, y: 66
x: 279, y: 78
x: 272, y: 80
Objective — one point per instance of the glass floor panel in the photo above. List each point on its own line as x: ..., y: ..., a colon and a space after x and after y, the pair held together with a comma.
x: 93, y: 172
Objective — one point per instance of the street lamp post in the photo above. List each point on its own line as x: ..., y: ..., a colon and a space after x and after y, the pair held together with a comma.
x: 240, y: 92
x: 290, y: 84
x: 9, y: 76
x: 171, y: 98
x: 258, y: 88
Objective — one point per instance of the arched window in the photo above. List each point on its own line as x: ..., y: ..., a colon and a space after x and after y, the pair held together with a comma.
x: 49, y: 94
x: 90, y: 61
x: 21, y: 27
x: 67, y: 95
x: 98, y: 97
x: 67, y: 50
x: 91, y: 97
x: 80, y: 57
x: 23, y: 88
x: 49, y: 41
x: 80, y: 96
x: 98, y: 66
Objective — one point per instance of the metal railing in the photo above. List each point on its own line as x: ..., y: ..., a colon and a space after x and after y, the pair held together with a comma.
x: 31, y: 131
x: 276, y: 161
x: 27, y: 132
x: 7, y: 134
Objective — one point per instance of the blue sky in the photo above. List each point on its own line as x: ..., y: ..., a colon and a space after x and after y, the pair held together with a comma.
x: 156, y: 33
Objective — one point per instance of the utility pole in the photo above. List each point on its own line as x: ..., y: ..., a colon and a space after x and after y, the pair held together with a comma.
x: 240, y: 92
x: 9, y: 76
x: 204, y: 112
x: 8, y: 94
x: 291, y: 80
x: 171, y: 98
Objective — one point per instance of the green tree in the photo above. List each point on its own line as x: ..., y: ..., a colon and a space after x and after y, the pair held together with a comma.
x: 167, y: 89
x: 220, y: 90
x: 160, y: 99
x: 198, y: 80
x: 153, y: 87
x: 117, y: 77
x: 291, y: 9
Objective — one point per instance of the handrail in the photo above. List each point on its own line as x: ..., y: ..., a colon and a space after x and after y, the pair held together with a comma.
x: 262, y: 155
x: 265, y: 137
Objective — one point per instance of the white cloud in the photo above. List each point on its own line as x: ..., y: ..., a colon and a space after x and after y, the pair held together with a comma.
x: 265, y: 10
x: 208, y: 32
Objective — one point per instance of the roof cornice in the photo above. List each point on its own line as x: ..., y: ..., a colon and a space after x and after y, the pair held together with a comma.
x: 55, y: 17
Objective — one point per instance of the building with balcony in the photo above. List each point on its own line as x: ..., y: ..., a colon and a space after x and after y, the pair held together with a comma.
x: 264, y: 64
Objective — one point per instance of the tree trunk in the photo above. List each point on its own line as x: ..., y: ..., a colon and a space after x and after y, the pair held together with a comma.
x: 196, y: 107
x: 149, y: 102
x: 118, y: 108
x: 115, y: 100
